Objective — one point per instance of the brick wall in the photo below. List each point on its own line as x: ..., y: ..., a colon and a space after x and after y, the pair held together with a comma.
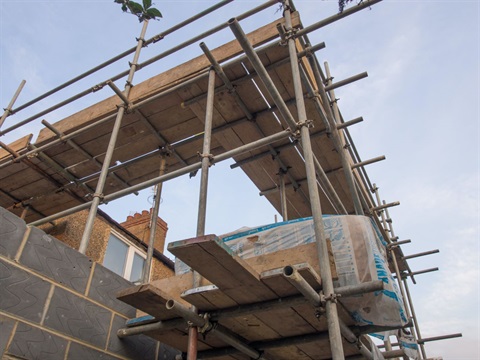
x: 56, y: 303
x: 69, y: 230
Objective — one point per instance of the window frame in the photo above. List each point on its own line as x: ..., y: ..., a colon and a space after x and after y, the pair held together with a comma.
x: 132, y: 250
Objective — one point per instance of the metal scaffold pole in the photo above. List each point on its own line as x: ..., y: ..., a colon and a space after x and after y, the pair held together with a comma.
x: 8, y: 110
x: 283, y: 197
x: 202, y: 202
x: 153, y: 225
x: 170, y: 175
x: 387, y: 221
x: 340, y: 145
x: 414, y: 316
x: 403, y: 288
x: 98, y: 195
x: 333, y: 322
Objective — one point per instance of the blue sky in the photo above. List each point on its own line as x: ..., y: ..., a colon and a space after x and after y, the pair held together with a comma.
x: 420, y: 106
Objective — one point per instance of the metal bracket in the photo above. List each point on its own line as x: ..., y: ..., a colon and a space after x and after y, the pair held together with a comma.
x: 232, y: 90
x: 334, y: 101
x: 99, y: 195
x: 319, y: 312
x: 123, y: 106
x: 332, y: 297
x: 282, y: 171
x: 308, y: 123
x: 144, y: 44
x: 166, y: 150
x: 208, y: 325
x: 327, y: 80
x: 9, y: 111
x: 98, y: 87
x: 210, y: 157
x: 158, y: 38
x: 290, y: 34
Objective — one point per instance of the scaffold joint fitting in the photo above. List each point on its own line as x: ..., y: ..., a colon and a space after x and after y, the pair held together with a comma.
x: 98, y: 87
x: 98, y: 195
x: 308, y: 123
x: 328, y: 80
x: 332, y: 297
x: 158, y: 38
x: 210, y: 157
x: 166, y: 150
x: 207, y: 326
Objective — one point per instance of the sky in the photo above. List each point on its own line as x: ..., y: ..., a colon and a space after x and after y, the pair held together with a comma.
x: 420, y: 105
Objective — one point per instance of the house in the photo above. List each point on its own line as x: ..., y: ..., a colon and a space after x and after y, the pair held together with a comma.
x: 112, y: 241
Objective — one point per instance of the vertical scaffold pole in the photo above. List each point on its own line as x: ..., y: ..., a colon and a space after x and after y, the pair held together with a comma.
x: 202, y: 203
x: 283, y: 197
x: 8, y: 109
x: 206, y: 156
x: 325, y: 272
x: 111, y: 147
x: 406, y: 296
x: 386, y: 342
x: 153, y: 225
x: 386, y: 220
x: 415, y: 321
x: 339, y: 140
x: 394, y: 258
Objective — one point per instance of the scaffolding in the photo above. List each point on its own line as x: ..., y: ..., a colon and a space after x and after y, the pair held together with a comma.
x: 262, y: 100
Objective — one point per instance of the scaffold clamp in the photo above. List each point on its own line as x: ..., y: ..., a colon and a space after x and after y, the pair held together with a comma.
x: 332, y: 297
x: 98, y: 195
x: 210, y: 157
x: 207, y: 326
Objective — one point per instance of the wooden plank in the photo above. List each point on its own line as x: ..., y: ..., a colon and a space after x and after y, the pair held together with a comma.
x: 216, y: 262
x: 149, y: 299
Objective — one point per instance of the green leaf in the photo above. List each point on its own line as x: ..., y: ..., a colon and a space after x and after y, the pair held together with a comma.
x: 135, y: 8
x: 147, y: 4
x: 153, y: 13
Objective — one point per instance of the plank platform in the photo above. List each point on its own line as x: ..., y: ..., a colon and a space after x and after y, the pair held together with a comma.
x: 230, y: 284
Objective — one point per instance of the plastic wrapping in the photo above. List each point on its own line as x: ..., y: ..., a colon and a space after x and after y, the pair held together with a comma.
x: 359, y: 254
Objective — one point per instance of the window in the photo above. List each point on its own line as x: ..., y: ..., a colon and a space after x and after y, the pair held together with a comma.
x: 124, y: 259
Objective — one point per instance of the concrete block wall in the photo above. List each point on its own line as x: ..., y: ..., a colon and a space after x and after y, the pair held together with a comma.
x: 56, y: 303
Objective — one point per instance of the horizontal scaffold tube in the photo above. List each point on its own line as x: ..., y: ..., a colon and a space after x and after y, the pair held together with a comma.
x: 241, y: 310
x: 155, y: 326
x: 278, y: 343
x: 299, y: 282
x: 169, y: 176
x: 344, y: 291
